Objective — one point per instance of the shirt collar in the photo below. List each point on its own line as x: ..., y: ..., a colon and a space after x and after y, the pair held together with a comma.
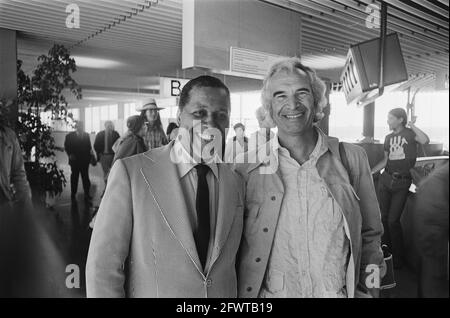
x: 324, y: 143
x: 318, y: 151
x: 185, y: 163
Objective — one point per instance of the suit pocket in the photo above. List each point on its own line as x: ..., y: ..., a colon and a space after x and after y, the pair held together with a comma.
x: 275, y: 281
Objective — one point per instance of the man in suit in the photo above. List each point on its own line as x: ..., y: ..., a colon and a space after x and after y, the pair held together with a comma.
x: 103, y: 147
x: 170, y: 222
x: 78, y: 147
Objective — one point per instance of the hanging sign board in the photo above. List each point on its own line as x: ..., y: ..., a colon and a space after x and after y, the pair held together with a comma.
x: 171, y: 87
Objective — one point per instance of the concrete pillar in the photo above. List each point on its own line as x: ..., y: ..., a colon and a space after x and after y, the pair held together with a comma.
x: 369, y: 122
x: 8, y: 68
x: 121, y: 110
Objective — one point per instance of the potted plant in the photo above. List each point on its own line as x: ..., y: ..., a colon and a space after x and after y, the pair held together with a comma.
x: 43, y: 91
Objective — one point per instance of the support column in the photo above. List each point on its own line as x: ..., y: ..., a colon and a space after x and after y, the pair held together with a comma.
x: 369, y: 123
x: 8, y: 69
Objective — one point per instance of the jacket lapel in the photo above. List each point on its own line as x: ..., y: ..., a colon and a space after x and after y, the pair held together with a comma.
x: 162, y: 179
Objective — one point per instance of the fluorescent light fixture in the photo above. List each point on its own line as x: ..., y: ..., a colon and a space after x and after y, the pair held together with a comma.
x: 96, y: 98
x: 324, y: 62
x: 91, y: 62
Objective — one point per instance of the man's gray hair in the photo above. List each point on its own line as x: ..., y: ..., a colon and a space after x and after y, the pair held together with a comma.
x: 294, y: 65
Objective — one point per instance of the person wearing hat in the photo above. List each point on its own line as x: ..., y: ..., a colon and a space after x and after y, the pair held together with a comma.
x: 155, y: 136
x: 133, y: 142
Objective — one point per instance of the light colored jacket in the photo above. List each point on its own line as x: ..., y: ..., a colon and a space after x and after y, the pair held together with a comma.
x: 12, y: 171
x: 142, y: 243
x: 264, y: 196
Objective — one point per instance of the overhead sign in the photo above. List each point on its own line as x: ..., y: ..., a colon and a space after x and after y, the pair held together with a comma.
x: 171, y: 87
x: 251, y: 62
x: 362, y: 70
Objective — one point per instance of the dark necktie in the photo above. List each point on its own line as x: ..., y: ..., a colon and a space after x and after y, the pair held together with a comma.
x: 201, y: 235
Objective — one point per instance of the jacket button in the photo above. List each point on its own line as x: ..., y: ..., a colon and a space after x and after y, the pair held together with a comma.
x: 273, y: 198
x: 257, y: 260
x: 265, y: 230
x: 249, y: 289
x: 208, y: 283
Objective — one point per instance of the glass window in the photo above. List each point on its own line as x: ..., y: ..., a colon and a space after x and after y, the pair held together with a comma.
x: 113, y: 112
x: 88, y: 119
x: 95, y: 119
x: 346, y: 122
x: 104, y: 113
x: 129, y: 110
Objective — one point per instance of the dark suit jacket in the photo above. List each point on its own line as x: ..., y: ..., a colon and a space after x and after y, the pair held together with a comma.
x: 80, y: 148
x: 99, y: 143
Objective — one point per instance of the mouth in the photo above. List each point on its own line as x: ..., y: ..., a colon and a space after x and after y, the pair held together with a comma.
x: 294, y: 116
x: 205, y: 137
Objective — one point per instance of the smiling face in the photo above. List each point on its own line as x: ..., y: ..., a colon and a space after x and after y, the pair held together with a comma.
x: 292, y: 108
x: 207, y: 111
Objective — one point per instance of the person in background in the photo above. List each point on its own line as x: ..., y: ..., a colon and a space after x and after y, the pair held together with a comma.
x: 155, y: 136
x: 264, y: 134
x: 14, y: 185
x: 133, y: 142
x: 103, y: 143
x: 309, y: 230
x: 430, y: 221
x: 15, y: 195
x: 237, y: 145
x: 78, y: 147
x: 400, y: 154
x: 172, y: 131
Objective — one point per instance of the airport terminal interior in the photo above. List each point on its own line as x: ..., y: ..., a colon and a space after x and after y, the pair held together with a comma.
x: 116, y: 56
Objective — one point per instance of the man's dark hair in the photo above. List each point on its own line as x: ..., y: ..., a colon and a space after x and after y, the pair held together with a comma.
x: 170, y: 128
x: 198, y: 82
x: 400, y: 113
x: 239, y: 125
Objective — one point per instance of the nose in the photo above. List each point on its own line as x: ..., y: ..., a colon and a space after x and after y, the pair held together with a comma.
x: 293, y: 103
x: 209, y: 120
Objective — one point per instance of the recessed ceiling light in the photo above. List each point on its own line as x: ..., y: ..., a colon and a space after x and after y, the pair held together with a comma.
x: 91, y: 62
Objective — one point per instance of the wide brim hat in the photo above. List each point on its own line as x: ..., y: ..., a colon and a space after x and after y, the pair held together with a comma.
x: 149, y: 104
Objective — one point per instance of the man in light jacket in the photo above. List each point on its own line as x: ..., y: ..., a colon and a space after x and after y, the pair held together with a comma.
x: 308, y: 231
x: 170, y: 224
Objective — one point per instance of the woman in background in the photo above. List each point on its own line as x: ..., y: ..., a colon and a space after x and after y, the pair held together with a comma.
x: 133, y: 142
x: 155, y: 136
